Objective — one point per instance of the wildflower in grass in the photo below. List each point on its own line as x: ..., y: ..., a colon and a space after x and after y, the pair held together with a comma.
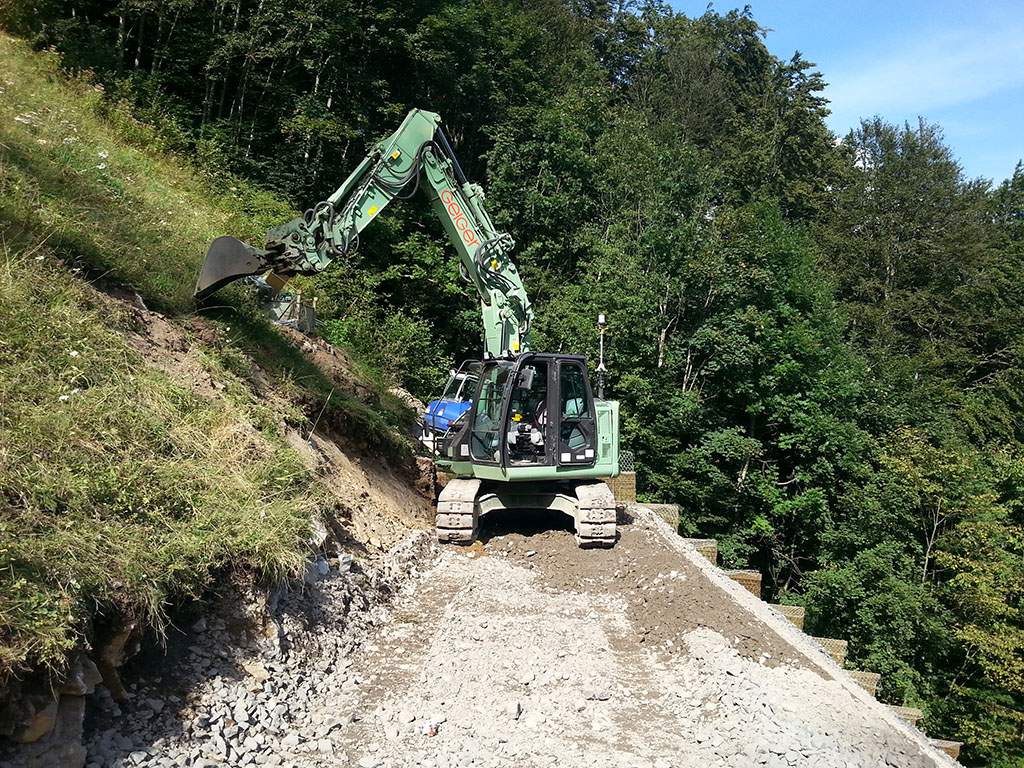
x: 68, y: 395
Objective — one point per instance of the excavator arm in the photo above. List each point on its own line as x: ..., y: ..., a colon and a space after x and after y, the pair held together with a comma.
x: 415, y: 156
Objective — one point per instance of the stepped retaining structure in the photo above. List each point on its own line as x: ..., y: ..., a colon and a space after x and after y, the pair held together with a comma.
x: 866, y: 680
x: 833, y: 647
x: 623, y: 485
x: 706, y: 547
x: 827, y: 655
x: 951, y: 748
x: 748, y: 579
x: 794, y: 614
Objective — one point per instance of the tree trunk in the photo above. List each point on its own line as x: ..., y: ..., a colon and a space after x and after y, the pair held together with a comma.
x: 158, y: 43
x: 316, y: 90
x: 120, y: 42
x: 138, y: 42
x: 930, y: 538
x: 224, y: 78
x: 208, y: 81
x: 246, y: 71
x: 167, y: 43
x: 663, y: 333
x: 259, y: 105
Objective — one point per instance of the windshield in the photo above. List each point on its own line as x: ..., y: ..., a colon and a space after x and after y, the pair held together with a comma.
x: 461, y: 385
x: 486, y: 445
x: 468, y: 388
x: 451, y: 391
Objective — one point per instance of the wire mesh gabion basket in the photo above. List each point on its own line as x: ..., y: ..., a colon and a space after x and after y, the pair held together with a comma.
x: 627, y: 461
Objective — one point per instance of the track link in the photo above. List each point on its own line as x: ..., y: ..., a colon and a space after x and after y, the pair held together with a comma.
x: 595, y: 515
x: 458, y: 514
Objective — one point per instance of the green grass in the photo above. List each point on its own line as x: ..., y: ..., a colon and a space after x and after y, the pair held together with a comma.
x: 98, y: 192
x: 80, y: 174
x: 120, y: 489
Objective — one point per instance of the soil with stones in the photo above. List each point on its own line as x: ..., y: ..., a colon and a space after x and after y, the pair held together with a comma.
x: 520, y: 650
x: 665, y: 598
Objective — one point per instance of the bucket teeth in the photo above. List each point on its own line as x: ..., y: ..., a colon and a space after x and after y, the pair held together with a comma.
x: 227, y: 260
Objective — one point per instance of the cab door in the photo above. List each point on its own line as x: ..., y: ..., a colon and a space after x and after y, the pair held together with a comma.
x: 577, y: 425
x: 475, y: 436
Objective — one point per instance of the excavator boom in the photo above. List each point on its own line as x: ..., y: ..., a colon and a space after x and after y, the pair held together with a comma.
x: 415, y: 156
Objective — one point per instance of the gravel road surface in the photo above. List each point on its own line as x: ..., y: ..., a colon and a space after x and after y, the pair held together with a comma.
x: 520, y: 650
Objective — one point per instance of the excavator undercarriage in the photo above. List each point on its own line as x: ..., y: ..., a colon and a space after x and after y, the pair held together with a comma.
x: 589, y: 503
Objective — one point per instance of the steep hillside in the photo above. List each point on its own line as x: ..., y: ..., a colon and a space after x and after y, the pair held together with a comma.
x: 147, y: 446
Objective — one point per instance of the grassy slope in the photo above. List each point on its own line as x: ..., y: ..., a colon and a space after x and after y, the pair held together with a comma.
x: 120, y: 488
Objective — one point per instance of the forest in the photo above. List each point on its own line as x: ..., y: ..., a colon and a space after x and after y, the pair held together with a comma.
x: 817, y: 341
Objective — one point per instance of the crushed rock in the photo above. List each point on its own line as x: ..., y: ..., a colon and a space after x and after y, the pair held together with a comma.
x: 229, y: 697
x: 485, y: 657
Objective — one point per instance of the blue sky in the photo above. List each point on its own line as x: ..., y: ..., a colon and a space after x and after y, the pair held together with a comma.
x: 958, y: 64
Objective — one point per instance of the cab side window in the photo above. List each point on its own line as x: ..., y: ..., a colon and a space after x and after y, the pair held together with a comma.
x: 574, y: 393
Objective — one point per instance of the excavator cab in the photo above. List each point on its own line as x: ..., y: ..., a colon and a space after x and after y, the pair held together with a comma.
x: 534, y: 410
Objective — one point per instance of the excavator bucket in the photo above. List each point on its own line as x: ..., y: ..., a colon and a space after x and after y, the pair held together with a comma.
x: 229, y: 259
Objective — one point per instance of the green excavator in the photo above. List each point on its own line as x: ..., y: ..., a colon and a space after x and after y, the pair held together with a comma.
x: 532, y: 435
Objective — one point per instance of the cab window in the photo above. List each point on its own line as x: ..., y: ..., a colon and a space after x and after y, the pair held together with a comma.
x: 574, y: 393
x: 485, y: 441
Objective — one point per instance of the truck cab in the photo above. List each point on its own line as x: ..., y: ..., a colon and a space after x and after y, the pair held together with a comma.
x: 453, y: 403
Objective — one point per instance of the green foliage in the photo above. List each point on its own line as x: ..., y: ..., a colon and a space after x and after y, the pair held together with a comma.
x: 396, y: 345
x: 817, y: 347
x: 927, y: 264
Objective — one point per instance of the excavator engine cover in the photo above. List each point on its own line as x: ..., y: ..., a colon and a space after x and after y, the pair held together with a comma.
x: 228, y: 259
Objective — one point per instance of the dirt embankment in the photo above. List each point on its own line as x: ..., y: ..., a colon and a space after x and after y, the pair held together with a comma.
x: 372, y: 494
x: 371, y: 504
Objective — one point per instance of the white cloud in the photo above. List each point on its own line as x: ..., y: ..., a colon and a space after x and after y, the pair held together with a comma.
x: 929, y: 73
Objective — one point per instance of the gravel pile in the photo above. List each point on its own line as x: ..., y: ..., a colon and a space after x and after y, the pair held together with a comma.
x: 517, y: 673
x: 230, y: 700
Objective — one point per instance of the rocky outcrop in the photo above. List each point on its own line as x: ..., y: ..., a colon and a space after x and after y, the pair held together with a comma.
x: 409, y: 400
x: 48, y: 723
